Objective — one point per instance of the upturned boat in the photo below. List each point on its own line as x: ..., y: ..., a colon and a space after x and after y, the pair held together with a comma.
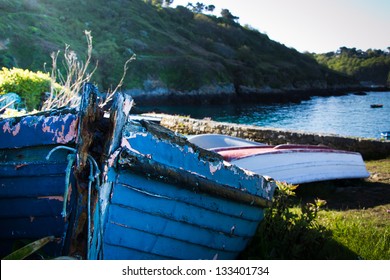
x: 294, y: 164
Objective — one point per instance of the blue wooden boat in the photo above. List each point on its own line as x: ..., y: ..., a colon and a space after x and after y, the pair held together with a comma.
x: 119, y: 189
x: 32, y: 188
x: 174, y: 200
x: 42, y: 189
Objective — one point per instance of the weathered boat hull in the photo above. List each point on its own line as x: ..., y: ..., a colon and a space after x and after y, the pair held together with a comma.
x: 118, y: 189
x: 154, y: 220
x: 185, y: 209
x: 32, y: 187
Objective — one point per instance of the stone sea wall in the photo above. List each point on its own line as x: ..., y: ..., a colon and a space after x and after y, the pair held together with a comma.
x: 369, y: 148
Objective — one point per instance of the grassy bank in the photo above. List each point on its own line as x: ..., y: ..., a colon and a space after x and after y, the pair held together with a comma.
x: 365, y: 232
x: 354, y: 224
x: 362, y: 222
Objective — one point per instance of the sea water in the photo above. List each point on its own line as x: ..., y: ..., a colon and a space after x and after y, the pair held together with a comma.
x: 347, y: 115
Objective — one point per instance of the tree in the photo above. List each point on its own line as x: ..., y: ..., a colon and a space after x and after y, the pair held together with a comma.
x: 200, y: 7
x: 160, y: 3
x: 197, y: 8
x: 168, y: 2
x: 226, y: 14
x: 210, y: 8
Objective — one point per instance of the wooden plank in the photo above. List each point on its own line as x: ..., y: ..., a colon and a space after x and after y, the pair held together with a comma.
x: 186, y: 232
x: 36, y: 154
x: 32, y: 227
x: 160, y: 245
x: 191, y: 180
x: 113, y: 252
x: 32, y: 170
x: 32, y: 186
x: 31, y: 207
x: 182, y: 212
x: 178, y: 193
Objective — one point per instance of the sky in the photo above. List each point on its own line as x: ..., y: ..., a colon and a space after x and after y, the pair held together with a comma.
x: 318, y: 26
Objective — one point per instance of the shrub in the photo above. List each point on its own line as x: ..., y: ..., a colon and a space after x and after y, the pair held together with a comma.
x: 29, y: 85
x: 288, y: 232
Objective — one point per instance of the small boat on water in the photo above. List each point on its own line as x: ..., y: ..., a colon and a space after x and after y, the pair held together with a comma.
x: 295, y: 164
x: 385, y: 135
x: 107, y: 187
x: 360, y: 93
x: 376, y: 105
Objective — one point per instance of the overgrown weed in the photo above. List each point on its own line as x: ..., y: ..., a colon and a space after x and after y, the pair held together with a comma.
x: 76, y: 76
x: 288, y: 231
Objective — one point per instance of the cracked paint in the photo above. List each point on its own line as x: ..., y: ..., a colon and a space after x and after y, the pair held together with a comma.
x: 127, y: 105
x: 111, y: 160
x: 14, y: 130
x: 20, y: 165
x: 59, y: 135
x: 40, y: 129
x: 53, y: 197
x: 63, y: 138
x: 215, y: 166
x: 7, y: 127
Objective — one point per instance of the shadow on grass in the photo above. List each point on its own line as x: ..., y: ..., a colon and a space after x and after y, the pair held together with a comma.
x: 291, y: 231
x: 347, y: 194
x: 296, y: 244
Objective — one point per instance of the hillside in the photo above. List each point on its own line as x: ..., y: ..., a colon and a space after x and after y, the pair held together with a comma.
x: 371, y: 67
x: 178, y: 51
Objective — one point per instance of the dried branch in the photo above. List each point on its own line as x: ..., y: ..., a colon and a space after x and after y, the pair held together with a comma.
x: 110, y: 95
x: 67, y: 93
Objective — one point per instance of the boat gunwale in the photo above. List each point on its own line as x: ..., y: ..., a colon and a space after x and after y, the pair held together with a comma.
x: 143, y: 165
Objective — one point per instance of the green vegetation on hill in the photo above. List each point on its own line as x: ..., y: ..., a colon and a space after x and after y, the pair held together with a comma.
x: 371, y: 67
x: 176, y: 48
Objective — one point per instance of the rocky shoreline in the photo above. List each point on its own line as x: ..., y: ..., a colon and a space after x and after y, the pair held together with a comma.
x: 228, y: 93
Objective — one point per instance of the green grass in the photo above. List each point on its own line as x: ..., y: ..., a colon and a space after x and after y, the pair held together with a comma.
x: 355, y: 223
x: 380, y: 170
x: 364, y: 232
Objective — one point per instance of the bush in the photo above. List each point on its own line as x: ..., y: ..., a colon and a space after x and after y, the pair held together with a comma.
x: 288, y: 232
x: 29, y: 85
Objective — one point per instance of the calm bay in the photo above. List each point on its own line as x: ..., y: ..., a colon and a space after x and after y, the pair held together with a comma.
x: 347, y: 115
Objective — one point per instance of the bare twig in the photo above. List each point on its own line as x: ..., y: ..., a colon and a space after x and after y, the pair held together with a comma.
x: 76, y: 76
x: 67, y: 92
x: 110, y: 95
